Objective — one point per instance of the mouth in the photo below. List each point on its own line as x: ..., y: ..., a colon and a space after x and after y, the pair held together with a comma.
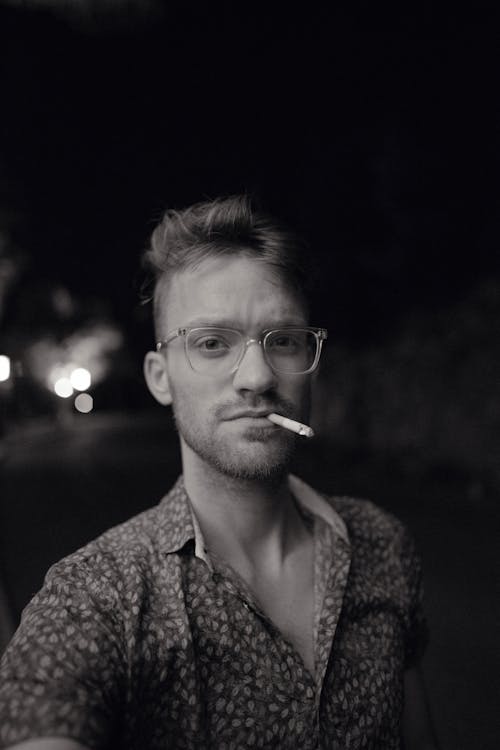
x: 253, y: 426
x: 249, y: 415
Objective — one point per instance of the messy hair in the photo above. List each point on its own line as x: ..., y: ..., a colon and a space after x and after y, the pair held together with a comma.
x: 223, y: 227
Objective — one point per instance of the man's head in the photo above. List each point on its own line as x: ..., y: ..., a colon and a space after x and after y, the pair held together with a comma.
x: 222, y: 264
x: 221, y: 228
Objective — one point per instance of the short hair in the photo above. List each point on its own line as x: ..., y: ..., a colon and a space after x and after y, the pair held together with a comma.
x: 216, y: 228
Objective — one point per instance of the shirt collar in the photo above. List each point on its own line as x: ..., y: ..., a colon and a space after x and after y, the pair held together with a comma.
x: 179, y: 525
x: 318, y: 505
x: 175, y: 519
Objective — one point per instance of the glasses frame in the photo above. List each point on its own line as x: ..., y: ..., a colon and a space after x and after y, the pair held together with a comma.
x: 321, y: 334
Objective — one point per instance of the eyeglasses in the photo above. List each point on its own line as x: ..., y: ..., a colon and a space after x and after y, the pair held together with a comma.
x: 219, y: 351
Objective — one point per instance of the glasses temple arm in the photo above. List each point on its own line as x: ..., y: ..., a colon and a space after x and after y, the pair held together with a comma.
x: 170, y: 337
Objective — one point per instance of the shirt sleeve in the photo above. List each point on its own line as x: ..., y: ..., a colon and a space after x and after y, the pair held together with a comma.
x: 417, y: 633
x: 63, y: 672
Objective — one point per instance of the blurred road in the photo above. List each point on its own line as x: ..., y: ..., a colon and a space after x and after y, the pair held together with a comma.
x: 63, y: 484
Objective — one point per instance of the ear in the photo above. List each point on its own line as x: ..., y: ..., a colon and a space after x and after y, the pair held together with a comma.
x: 156, y: 375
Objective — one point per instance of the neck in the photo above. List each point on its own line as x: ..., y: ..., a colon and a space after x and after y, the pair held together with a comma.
x: 251, y: 519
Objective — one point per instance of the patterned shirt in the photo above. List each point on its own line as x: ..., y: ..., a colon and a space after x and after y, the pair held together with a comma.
x: 142, y: 641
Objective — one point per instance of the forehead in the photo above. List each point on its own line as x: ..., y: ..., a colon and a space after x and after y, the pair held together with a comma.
x: 240, y: 292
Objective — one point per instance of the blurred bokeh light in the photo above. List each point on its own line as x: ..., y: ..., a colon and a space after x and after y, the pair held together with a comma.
x: 81, y: 379
x: 4, y: 367
x: 63, y: 387
x: 84, y: 403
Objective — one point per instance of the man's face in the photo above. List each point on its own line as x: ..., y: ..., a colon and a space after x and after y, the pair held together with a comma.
x: 211, y: 413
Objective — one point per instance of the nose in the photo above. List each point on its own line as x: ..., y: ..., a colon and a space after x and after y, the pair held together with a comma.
x: 253, y: 373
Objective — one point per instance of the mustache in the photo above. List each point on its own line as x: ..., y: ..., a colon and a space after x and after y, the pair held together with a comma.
x: 280, y: 405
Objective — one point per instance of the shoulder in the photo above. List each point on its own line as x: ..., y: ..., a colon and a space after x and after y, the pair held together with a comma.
x: 376, y: 533
x: 121, y: 553
x: 360, y: 521
x: 100, y: 589
x: 122, y: 569
x: 365, y: 519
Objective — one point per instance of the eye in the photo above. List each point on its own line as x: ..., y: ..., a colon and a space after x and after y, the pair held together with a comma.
x: 211, y: 344
x: 284, y: 341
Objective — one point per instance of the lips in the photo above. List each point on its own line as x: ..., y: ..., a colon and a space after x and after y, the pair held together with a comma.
x: 251, y: 414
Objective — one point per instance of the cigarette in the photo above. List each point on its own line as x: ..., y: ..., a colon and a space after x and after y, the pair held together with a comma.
x: 291, y: 424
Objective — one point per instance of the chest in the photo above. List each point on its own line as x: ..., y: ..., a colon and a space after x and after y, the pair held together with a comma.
x: 217, y: 674
x: 287, y: 599
x: 290, y: 606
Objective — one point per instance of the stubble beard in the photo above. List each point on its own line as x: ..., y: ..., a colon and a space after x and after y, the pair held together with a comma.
x: 267, y: 459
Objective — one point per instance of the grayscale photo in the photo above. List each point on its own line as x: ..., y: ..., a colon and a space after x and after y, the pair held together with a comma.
x: 249, y: 374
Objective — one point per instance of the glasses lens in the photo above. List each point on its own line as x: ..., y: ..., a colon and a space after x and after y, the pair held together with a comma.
x: 291, y: 350
x: 213, y: 351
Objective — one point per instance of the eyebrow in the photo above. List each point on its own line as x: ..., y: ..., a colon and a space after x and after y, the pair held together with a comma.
x: 227, y: 323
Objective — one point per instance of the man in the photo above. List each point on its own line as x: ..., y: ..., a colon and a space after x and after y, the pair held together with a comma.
x: 245, y: 610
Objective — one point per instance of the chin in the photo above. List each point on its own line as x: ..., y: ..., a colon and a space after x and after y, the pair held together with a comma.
x: 246, y: 459
x: 252, y: 472
x: 254, y: 460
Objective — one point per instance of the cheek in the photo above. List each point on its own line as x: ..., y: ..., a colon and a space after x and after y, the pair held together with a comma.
x: 190, y: 396
x: 297, y: 390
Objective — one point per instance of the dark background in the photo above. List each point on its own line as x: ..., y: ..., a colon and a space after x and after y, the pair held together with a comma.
x: 374, y: 134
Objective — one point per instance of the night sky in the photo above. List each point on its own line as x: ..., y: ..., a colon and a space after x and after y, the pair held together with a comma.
x: 375, y: 135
